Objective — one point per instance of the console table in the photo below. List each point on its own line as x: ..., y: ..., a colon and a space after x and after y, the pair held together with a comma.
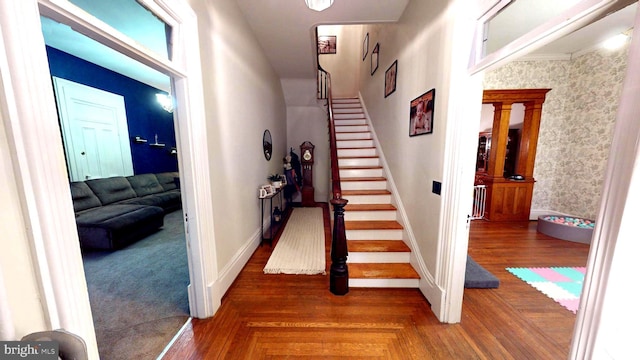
x: 273, y: 227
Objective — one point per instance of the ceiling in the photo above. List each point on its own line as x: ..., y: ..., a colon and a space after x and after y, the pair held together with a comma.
x: 285, y: 31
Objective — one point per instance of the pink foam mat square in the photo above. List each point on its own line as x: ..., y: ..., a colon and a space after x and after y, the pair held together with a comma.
x: 570, y: 304
x: 550, y: 274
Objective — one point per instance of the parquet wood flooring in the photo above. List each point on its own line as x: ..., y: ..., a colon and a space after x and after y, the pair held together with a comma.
x: 295, y: 316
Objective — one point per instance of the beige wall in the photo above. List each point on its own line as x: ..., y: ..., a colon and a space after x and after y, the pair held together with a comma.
x: 307, y: 121
x: 19, y: 278
x: 419, y: 41
x: 576, y: 126
x: 345, y: 64
x: 243, y: 97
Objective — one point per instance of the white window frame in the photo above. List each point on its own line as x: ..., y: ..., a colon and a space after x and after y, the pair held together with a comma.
x: 39, y: 158
x: 555, y: 28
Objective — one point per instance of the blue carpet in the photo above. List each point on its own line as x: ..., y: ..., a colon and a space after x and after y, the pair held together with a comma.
x: 477, y: 277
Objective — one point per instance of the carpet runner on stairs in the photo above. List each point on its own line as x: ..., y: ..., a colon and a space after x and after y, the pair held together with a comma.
x: 378, y: 255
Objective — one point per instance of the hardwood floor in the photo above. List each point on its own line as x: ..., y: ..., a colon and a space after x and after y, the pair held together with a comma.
x: 295, y: 316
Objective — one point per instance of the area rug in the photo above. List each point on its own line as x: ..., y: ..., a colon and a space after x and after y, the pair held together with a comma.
x: 477, y: 277
x: 300, y: 249
x: 562, y: 284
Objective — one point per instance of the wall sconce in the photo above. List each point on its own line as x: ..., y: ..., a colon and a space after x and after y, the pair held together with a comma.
x: 166, y: 101
x: 318, y: 5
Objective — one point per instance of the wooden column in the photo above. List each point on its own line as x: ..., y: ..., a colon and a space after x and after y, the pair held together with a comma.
x: 499, y: 136
x: 529, y: 138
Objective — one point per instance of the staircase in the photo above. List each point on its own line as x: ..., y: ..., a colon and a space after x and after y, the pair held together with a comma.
x: 378, y: 256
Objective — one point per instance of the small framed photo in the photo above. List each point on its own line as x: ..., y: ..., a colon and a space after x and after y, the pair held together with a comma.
x: 270, y: 189
x: 374, y: 58
x: 421, y: 114
x: 283, y: 178
x: 327, y: 44
x: 390, y: 79
x: 266, y: 190
x: 365, y: 47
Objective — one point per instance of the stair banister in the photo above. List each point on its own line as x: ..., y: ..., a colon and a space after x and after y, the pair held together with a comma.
x: 339, y: 272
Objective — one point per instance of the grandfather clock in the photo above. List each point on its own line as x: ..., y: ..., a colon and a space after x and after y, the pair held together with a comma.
x: 306, y: 149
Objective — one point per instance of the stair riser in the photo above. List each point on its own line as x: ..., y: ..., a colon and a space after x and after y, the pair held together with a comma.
x: 344, y: 122
x: 353, y: 136
x: 379, y: 257
x: 346, y: 100
x: 374, y: 234
x: 384, y: 283
x: 347, y: 110
x: 363, y: 185
x: 356, y: 152
x: 341, y: 144
x: 359, y: 162
x: 348, y: 116
x: 346, y: 106
x: 352, y: 128
x: 368, y: 199
x: 370, y: 215
x: 360, y: 173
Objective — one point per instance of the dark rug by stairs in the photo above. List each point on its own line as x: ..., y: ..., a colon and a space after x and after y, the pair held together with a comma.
x: 138, y: 294
x: 477, y: 277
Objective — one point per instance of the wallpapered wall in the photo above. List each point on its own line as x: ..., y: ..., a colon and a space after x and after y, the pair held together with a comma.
x: 576, y: 125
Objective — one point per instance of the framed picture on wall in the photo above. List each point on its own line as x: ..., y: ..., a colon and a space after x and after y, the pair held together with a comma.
x: 390, y: 79
x: 327, y: 44
x: 421, y: 114
x: 365, y: 47
x: 374, y: 58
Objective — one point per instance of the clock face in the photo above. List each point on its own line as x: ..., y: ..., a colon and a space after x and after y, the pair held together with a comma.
x: 306, y: 155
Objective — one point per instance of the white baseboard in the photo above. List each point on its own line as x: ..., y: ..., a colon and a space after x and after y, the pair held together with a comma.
x: 231, y: 271
x: 533, y: 215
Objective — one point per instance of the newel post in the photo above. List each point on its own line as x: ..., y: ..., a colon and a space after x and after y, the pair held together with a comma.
x: 339, y: 273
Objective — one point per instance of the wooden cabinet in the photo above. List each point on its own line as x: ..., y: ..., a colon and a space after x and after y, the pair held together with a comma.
x: 505, y: 152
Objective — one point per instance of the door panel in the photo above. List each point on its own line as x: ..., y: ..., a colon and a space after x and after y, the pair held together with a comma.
x: 94, y: 130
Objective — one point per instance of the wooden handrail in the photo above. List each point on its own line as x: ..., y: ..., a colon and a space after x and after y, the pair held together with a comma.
x: 339, y: 273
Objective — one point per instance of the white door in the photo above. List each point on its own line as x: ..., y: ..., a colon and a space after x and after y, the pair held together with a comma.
x: 94, y: 130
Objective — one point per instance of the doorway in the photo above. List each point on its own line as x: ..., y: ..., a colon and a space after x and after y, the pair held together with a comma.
x: 40, y: 165
x: 138, y: 292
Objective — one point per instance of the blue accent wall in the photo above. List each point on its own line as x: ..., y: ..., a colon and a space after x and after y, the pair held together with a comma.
x: 145, y: 116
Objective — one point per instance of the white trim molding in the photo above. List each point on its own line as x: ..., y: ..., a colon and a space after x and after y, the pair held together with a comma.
x: 624, y: 155
x: 41, y: 172
x: 32, y: 128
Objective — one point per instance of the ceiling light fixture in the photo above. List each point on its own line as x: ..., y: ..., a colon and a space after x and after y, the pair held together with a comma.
x: 318, y: 5
x: 615, y: 42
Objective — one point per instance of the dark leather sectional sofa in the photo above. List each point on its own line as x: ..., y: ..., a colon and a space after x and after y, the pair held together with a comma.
x: 114, y: 212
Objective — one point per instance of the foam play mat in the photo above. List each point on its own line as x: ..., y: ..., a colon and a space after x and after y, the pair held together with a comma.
x: 562, y: 284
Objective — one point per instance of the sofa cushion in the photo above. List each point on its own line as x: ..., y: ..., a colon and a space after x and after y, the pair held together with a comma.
x: 113, y: 189
x: 116, y: 226
x: 169, y: 180
x: 168, y: 200
x: 83, y: 197
x: 145, y: 184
